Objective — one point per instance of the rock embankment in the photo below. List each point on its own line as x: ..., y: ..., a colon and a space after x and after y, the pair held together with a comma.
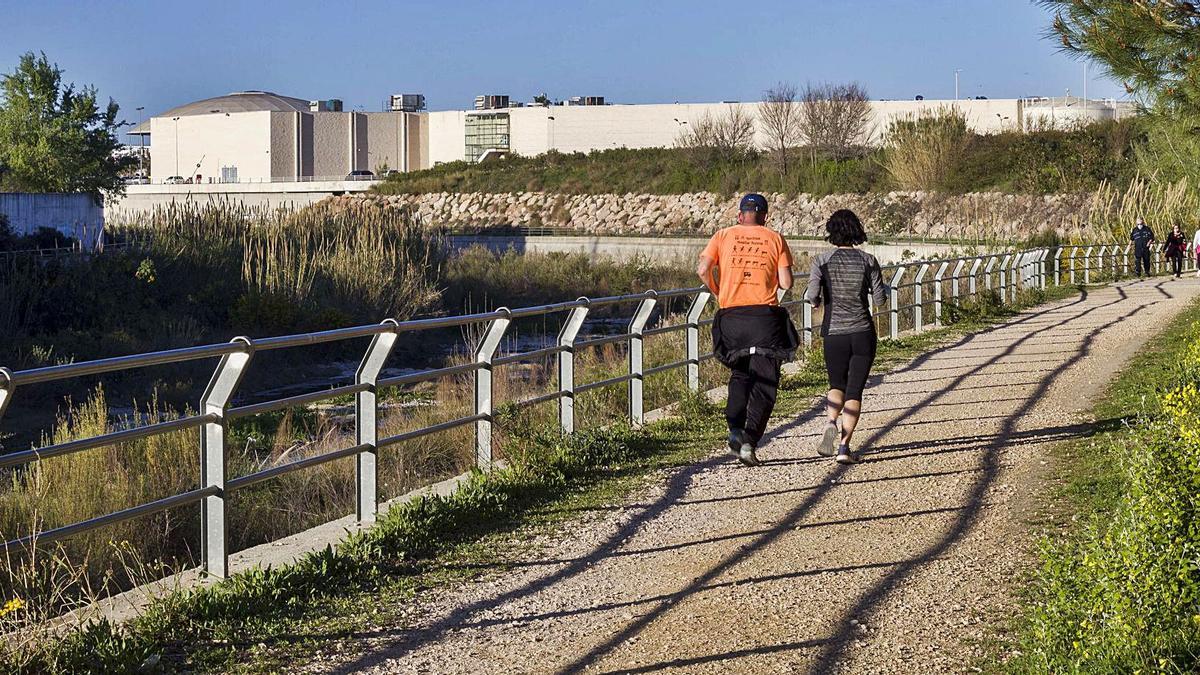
x: 978, y: 215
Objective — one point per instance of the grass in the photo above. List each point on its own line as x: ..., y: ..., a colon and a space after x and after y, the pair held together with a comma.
x: 257, y: 620
x: 1118, y: 584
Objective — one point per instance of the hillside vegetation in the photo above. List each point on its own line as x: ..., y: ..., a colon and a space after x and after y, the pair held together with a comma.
x: 1039, y: 162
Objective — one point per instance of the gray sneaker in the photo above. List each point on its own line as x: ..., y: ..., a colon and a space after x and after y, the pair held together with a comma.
x: 737, y: 440
x: 828, y: 445
x: 747, y: 456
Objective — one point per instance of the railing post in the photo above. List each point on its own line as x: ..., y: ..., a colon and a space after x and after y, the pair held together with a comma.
x: 214, y: 534
x: 806, y: 321
x: 1042, y: 268
x: 1125, y: 255
x: 987, y: 272
x: 366, y: 422
x: 937, y: 292
x: 894, y: 298
x: 1005, y: 278
x: 1087, y: 266
x: 1074, y: 251
x: 972, y: 281
x: 919, y: 298
x: 1058, y: 266
x: 693, y: 338
x: 1100, y: 266
x: 954, y: 277
x: 636, y: 368
x: 484, y: 354
x: 566, y: 366
x: 6, y: 389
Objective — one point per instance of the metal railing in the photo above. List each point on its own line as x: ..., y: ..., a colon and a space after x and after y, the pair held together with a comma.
x: 1005, y: 273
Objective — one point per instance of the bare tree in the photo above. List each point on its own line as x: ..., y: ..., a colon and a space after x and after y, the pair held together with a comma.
x: 725, y: 138
x: 835, y: 119
x: 781, y: 121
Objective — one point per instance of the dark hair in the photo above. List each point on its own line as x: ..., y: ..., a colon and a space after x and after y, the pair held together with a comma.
x: 760, y: 217
x: 845, y: 229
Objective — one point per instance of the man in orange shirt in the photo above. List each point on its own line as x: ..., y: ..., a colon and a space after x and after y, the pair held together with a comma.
x: 746, y: 266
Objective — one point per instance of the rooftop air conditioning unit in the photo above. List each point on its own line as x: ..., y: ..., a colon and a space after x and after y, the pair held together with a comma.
x: 409, y: 103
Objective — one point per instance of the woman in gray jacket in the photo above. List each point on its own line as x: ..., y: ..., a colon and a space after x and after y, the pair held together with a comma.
x: 842, y: 280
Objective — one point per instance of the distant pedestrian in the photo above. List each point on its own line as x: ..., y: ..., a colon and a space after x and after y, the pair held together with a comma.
x: 1196, y: 249
x: 745, y: 266
x: 1174, y: 249
x: 842, y: 280
x: 1143, y: 239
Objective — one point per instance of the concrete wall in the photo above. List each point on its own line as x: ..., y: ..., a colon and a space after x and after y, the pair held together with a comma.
x: 673, y: 249
x: 385, y: 135
x: 283, y: 145
x: 73, y: 214
x: 214, y: 140
x: 143, y: 198
x: 447, y: 137
x: 331, y: 143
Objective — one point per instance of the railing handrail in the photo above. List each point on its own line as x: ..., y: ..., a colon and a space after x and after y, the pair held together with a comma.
x: 1020, y: 269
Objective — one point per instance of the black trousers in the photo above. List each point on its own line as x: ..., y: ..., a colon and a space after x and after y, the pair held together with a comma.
x: 1177, y: 264
x: 1141, y: 258
x: 753, y: 386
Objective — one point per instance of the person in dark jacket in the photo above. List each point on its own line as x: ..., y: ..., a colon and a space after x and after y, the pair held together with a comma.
x: 1143, y: 239
x: 745, y: 266
x: 1174, y: 248
x: 842, y: 280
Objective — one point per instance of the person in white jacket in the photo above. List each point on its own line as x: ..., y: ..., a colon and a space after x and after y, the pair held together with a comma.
x: 1196, y: 250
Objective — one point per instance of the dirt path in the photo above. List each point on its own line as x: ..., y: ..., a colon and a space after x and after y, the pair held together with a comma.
x: 900, y: 564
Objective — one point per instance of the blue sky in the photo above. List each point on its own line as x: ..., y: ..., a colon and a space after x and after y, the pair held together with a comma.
x: 163, y: 53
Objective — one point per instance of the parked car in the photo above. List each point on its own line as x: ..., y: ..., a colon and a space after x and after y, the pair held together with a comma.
x: 361, y: 174
x: 174, y: 180
x: 136, y: 180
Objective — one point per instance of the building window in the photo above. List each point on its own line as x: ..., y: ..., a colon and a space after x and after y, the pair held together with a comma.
x: 486, y: 131
x: 229, y: 174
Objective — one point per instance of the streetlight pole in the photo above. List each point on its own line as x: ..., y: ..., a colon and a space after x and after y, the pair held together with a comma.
x: 956, y: 72
x: 550, y: 120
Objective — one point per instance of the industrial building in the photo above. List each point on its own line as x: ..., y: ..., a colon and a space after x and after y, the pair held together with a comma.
x: 261, y: 137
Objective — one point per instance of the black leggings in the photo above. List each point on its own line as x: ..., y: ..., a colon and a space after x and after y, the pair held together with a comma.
x: 848, y: 360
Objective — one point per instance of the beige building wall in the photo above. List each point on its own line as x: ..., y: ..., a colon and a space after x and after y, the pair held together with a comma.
x: 385, y: 137
x: 212, y: 141
x: 447, y: 137
x: 284, y: 146
x: 331, y: 144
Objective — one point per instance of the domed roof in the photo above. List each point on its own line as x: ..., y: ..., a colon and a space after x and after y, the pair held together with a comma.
x: 238, y: 101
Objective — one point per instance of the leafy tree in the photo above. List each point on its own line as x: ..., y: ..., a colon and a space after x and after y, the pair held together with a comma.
x: 1153, y: 48
x: 54, y: 137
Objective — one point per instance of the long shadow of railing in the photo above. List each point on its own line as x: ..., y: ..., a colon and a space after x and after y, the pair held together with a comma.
x: 832, y: 648
x: 680, y: 482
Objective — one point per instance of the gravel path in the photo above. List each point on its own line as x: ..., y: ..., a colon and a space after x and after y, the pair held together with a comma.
x: 901, y: 564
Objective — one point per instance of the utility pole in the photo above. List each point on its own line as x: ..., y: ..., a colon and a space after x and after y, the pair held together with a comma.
x: 956, y: 72
x: 142, y: 146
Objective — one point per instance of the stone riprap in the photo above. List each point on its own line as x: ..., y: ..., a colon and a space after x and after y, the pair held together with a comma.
x: 927, y: 214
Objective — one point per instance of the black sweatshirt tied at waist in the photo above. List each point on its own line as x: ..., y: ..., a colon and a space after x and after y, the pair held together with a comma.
x: 762, y: 330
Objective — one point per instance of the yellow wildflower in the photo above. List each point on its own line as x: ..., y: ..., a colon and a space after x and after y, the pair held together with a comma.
x: 12, y: 606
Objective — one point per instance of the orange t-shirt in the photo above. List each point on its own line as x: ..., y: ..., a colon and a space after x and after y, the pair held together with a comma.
x: 748, y: 258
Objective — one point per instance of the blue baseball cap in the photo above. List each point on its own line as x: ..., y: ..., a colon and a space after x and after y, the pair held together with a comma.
x: 753, y: 202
